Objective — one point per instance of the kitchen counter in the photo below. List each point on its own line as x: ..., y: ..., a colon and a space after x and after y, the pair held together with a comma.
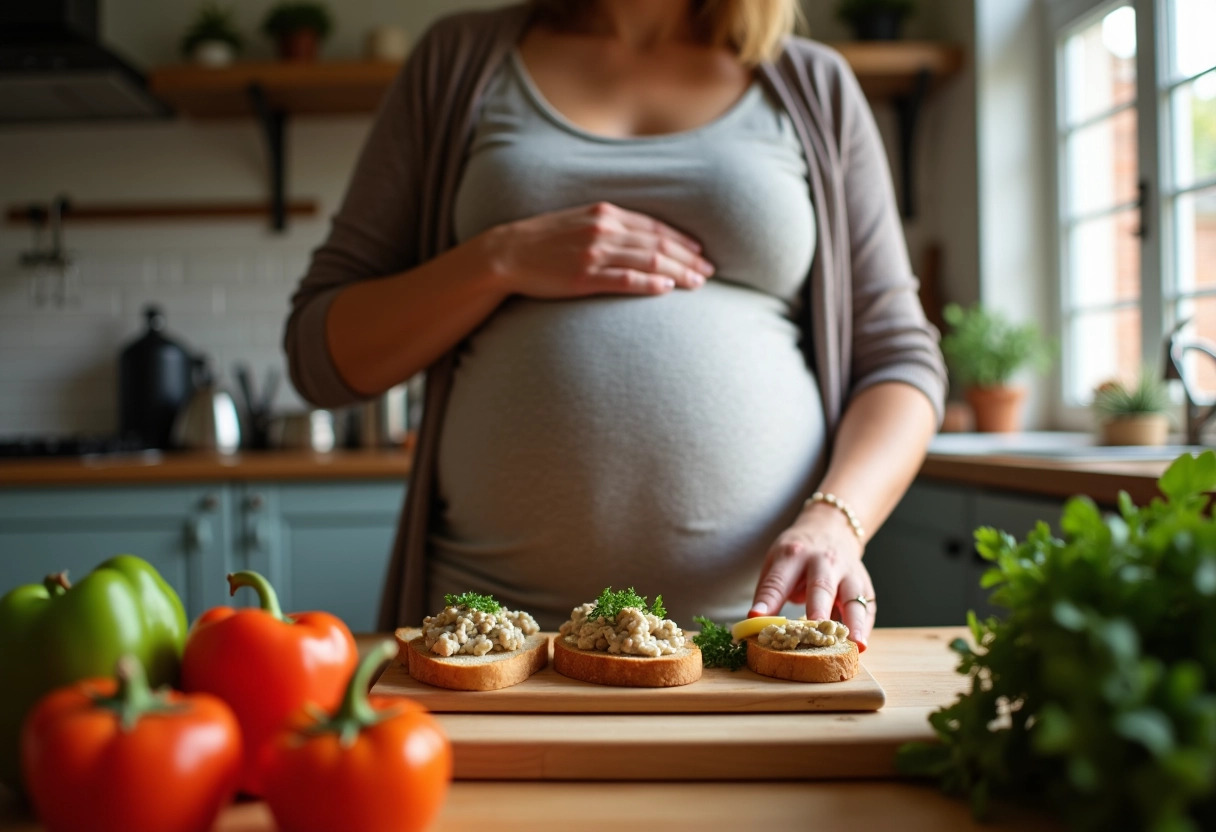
x: 1042, y: 477
x: 186, y: 466
x: 913, y: 665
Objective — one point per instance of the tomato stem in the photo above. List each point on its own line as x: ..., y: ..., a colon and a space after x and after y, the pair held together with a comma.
x: 356, y: 712
x: 267, y: 597
x: 57, y: 584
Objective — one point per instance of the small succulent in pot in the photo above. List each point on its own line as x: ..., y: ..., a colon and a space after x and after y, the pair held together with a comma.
x: 1135, y: 414
x: 213, y: 39
x: 298, y: 29
x: 875, y: 19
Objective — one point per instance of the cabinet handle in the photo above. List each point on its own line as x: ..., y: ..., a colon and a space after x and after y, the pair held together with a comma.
x: 954, y: 549
x: 209, y: 503
x: 254, y: 502
x: 198, y: 533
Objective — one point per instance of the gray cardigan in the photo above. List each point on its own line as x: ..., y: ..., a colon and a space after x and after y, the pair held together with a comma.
x: 861, y: 318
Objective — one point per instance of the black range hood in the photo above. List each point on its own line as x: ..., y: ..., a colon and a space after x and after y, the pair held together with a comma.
x: 52, y: 67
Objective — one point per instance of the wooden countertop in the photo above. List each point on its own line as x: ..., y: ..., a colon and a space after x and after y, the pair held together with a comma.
x: 188, y: 466
x: 913, y: 665
x: 1049, y: 477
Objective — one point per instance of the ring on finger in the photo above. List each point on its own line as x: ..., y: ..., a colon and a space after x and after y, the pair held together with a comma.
x: 861, y: 599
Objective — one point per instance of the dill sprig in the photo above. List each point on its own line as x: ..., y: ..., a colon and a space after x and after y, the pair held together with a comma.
x: 610, y: 603
x: 473, y: 601
x: 718, y: 649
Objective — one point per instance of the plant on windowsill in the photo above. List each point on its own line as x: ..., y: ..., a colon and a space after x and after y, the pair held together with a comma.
x: 213, y: 38
x: 875, y: 19
x: 1133, y: 415
x: 984, y: 351
x: 297, y: 29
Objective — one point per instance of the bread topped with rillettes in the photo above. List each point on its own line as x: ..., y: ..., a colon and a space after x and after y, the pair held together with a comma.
x: 799, y: 650
x: 474, y: 644
x: 618, y: 640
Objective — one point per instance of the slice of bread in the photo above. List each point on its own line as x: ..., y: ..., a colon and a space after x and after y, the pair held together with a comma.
x: 463, y: 672
x: 837, y: 663
x: 680, y: 668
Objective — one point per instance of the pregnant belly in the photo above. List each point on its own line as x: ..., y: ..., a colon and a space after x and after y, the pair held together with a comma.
x: 684, y: 427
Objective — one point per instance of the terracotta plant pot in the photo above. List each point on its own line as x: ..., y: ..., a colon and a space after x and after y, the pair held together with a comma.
x: 300, y: 45
x: 997, y: 409
x: 1136, y: 429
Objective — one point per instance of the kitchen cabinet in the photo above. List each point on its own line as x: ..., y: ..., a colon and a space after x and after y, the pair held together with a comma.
x: 923, y: 561
x: 181, y: 530
x: 325, y: 545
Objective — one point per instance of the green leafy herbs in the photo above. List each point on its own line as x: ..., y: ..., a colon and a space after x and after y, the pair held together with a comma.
x: 1114, y: 399
x: 1095, y: 694
x: 985, y: 349
x: 610, y: 604
x: 718, y: 649
x: 473, y: 601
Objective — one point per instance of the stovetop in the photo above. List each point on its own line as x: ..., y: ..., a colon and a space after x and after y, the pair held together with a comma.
x: 16, y: 447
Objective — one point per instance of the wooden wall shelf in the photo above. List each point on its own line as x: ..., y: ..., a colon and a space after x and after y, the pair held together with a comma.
x: 901, y: 72
x: 324, y: 88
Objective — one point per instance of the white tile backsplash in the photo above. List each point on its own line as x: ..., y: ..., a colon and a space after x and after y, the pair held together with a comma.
x: 59, y: 364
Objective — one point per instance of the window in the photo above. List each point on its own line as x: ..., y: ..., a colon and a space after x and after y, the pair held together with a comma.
x: 1135, y: 133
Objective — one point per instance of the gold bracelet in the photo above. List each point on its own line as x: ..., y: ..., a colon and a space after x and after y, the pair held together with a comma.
x: 835, y: 502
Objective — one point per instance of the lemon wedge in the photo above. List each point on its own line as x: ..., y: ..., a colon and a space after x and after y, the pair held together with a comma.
x: 752, y: 626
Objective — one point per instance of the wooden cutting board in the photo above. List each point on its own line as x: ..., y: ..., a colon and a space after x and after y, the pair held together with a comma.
x: 717, y: 691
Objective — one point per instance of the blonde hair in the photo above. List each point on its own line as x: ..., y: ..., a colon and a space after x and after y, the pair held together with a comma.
x: 754, y: 29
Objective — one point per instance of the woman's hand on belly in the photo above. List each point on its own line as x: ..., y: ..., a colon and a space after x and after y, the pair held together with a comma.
x: 817, y: 561
x: 593, y: 250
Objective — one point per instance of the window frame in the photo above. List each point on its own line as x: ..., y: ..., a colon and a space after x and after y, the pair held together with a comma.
x: 1063, y: 18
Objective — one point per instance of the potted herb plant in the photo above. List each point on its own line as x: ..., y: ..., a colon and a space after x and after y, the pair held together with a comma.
x: 875, y: 19
x: 213, y: 38
x: 984, y: 351
x: 298, y: 29
x: 1134, y: 415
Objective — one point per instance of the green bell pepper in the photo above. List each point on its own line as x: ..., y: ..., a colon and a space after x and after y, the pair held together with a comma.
x: 53, y: 634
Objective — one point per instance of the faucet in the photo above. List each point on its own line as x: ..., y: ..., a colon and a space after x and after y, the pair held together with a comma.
x: 1198, y: 413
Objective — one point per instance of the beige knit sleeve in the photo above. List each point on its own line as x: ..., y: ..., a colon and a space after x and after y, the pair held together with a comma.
x: 892, y: 340
x: 374, y: 234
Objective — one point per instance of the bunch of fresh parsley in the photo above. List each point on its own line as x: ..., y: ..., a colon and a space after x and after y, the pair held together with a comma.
x: 610, y: 603
x: 1096, y: 694
x: 718, y: 648
x: 473, y: 601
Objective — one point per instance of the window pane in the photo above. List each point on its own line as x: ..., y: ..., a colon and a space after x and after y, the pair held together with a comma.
x: 1102, y: 346
x: 1200, y: 370
x: 1194, y: 36
x: 1102, y: 166
x: 1100, y: 65
x: 1195, y: 223
x: 1194, y: 107
x: 1104, y: 260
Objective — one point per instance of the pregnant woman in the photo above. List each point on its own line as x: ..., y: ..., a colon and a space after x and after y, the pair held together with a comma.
x: 648, y: 255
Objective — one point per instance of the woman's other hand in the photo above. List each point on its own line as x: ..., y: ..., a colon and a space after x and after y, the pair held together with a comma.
x: 817, y: 561
x: 592, y: 250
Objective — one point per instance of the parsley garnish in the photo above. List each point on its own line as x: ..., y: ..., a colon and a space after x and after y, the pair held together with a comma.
x: 1095, y: 694
x: 473, y: 601
x: 610, y: 603
x: 718, y: 649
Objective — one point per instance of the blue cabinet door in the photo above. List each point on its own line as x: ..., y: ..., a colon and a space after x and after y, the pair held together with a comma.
x: 181, y: 530
x: 325, y: 545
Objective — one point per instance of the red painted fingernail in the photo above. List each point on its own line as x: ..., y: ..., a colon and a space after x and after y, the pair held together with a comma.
x: 755, y: 612
x: 861, y: 647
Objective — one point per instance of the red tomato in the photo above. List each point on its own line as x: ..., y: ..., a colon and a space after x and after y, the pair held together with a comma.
x: 112, y: 756
x: 378, y: 764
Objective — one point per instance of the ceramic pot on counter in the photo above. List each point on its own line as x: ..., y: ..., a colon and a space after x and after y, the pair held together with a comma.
x: 156, y: 378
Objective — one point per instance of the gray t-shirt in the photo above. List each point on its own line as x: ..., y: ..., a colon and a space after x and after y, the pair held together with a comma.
x: 654, y: 442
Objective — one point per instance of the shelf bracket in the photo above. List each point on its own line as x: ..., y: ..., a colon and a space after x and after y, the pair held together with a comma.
x: 274, y: 128
x: 907, y: 112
